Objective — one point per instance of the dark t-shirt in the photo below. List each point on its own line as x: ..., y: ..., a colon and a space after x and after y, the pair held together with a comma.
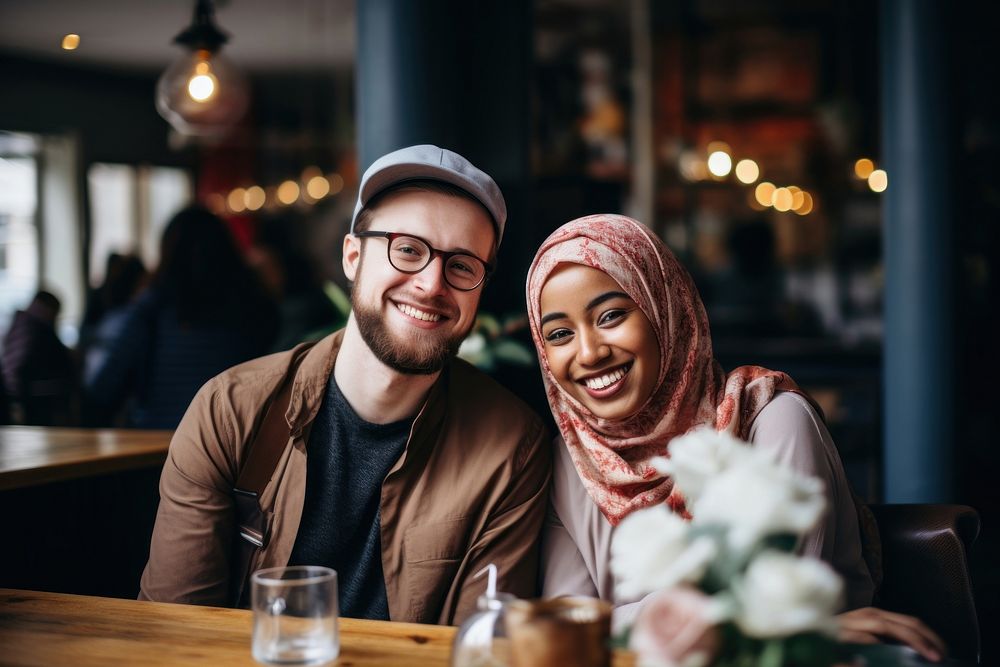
x: 347, y: 460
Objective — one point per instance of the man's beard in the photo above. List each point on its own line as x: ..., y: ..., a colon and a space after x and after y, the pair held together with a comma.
x: 422, y: 353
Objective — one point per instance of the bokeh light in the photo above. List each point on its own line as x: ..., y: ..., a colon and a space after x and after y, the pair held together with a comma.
x: 288, y: 192
x: 781, y: 200
x: 318, y: 187
x: 254, y: 198
x: 336, y: 183
x: 878, y: 180
x: 764, y: 192
x: 747, y: 171
x: 237, y: 200
x: 71, y: 41
x: 720, y: 164
x: 863, y: 168
x: 807, y: 204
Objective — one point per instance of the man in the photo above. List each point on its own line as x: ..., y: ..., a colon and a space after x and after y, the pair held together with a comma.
x: 407, y: 470
x: 39, y: 372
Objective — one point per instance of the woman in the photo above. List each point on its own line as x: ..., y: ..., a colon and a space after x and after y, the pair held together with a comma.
x: 627, y: 364
x: 203, y: 312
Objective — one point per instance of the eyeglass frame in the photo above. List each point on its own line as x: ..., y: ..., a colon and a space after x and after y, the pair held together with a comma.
x: 445, y: 255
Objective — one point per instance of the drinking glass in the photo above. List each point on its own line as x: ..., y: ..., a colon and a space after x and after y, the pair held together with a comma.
x: 295, y: 615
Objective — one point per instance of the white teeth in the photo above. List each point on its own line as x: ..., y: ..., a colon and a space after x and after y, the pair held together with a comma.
x: 418, y: 314
x: 606, y: 380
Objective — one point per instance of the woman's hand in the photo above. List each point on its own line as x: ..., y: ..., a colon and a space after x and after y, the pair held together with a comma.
x: 870, y: 625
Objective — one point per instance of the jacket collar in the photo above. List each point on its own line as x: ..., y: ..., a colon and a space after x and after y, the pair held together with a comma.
x: 309, y: 387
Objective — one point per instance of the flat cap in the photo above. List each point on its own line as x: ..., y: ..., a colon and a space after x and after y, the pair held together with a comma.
x: 428, y: 162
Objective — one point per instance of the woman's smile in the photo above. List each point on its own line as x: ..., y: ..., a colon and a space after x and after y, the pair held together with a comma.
x: 599, y: 345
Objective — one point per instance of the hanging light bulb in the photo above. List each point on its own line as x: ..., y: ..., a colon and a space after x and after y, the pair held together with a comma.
x: 202, y: 94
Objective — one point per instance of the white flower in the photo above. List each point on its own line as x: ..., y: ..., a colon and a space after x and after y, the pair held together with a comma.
x: 650, y: 551
x: 698, y: 456
x: 782, y: 594
x: 757, y: 497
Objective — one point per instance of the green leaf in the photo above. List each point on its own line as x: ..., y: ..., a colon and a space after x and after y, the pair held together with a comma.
x: 338, y: 298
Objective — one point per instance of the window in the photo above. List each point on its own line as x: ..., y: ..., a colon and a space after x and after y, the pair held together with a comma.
x: 129, y: 207
x: 18, y: 232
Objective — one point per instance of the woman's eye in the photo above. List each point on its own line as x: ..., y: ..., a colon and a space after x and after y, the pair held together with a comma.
x: 557, y: 336
x: 611, y: 316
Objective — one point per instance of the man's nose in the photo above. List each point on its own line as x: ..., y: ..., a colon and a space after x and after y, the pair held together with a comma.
x: 430, y: 279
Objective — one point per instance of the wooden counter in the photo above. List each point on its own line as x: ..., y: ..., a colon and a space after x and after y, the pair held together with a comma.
x: 57, y: 629
x: 31, y: 455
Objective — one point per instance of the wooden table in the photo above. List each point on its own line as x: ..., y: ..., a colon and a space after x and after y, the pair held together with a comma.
x: 31, y: 455
x: 59, y: 629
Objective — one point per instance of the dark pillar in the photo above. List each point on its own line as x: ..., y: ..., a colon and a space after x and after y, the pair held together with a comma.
x: 918, y: 377
x: 456, y: 74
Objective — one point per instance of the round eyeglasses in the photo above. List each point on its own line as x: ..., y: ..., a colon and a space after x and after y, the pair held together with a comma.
x: 412, y: 254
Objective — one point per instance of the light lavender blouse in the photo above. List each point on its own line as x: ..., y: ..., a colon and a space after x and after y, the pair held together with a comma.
x: 576, y: 551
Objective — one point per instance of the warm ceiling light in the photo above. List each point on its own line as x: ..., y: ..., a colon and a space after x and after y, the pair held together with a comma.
x: 71, y: 41
x: 202, y: 93
x: 237, y: 200
x: 747, y: 171
x: 318, y: 187
x: 807, y: 204
x: 720, y: 164
x: 254, y: 198
x: 288, y: 192
x: 764, y: 192
x: 781, y: 200
x: 878, y: 180
x: 863, y: 168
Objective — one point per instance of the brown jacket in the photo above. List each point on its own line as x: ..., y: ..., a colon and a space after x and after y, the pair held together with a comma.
x: 470, y: 488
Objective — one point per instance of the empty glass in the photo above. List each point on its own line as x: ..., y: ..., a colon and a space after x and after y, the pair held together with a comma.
x: 295, y: 615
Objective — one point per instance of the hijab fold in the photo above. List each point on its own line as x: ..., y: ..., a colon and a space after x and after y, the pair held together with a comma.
x: 612, y: 456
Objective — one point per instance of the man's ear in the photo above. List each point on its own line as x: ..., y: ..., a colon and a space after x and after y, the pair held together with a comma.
x: 352, y: 256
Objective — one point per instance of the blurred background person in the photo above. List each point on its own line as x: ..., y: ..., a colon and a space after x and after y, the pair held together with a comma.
x: 281, y: 258
x: 204, y: 311
x: 107, y: 308
x: 39, y: 372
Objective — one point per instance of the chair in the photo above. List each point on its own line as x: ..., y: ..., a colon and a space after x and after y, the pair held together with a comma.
x: 925, y: 570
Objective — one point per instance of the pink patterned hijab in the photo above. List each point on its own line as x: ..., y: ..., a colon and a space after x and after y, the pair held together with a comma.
x: 612, y: 457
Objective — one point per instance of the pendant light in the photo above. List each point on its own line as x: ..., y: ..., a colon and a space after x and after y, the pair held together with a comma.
x: 202, y: 94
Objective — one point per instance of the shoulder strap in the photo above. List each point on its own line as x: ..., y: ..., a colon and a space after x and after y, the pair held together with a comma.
x: 258, y: 467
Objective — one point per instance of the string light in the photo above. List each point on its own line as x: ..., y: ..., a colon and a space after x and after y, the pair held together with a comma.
x: 254, y: 198
x: 237, y: 200
x: 747, y: 171
x: 288, y: 192
x: 764, y: 192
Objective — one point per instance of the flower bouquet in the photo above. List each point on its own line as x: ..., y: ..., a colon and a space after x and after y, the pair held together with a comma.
x: 726, y: 588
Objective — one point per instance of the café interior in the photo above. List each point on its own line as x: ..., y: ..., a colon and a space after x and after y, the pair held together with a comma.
x: 825, y: 170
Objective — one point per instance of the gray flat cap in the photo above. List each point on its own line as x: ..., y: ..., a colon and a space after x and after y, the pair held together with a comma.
x: 427, y: 162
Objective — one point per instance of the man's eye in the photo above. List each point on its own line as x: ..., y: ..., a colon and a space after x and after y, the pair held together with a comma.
x: 461, y: 267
